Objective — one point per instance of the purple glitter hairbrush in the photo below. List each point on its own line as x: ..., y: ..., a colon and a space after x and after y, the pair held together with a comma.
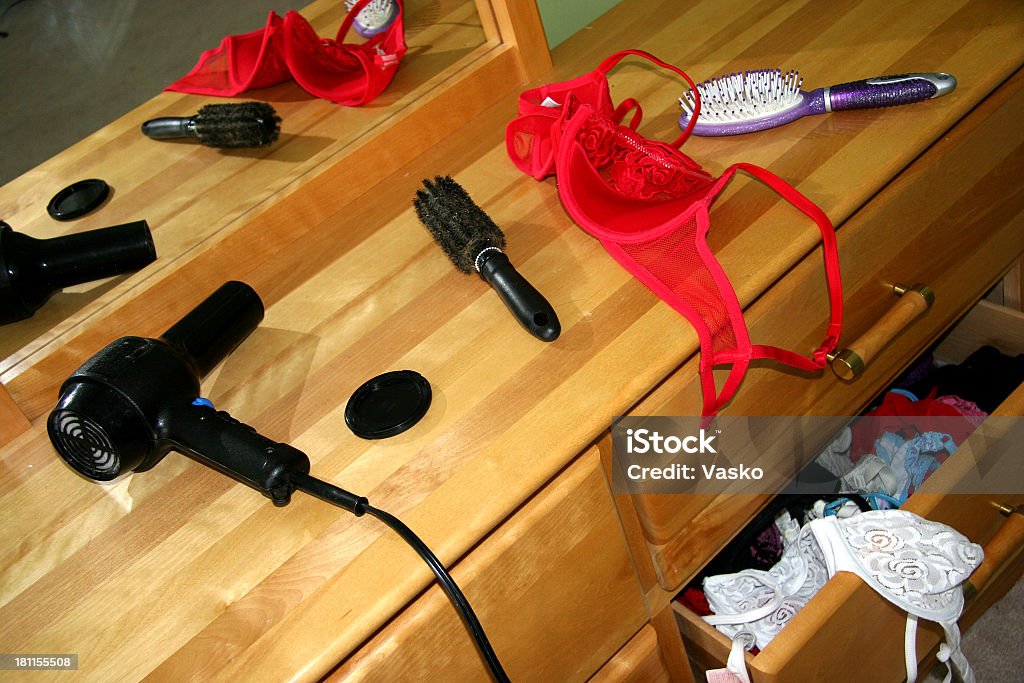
x: 375, y: 18
x: 755, y: 100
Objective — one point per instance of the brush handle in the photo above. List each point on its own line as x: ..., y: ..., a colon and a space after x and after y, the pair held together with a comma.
x: 528, y: 305
x: 888, y: 91
x: 170, y: 128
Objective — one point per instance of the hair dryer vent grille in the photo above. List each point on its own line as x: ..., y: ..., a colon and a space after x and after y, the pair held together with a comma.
x: 84, y: 445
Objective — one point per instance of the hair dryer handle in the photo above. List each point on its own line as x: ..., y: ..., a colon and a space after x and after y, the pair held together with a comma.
x: 218, y: 440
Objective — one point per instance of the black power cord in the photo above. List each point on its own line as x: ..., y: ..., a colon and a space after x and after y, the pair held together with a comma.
x: 359, y: 506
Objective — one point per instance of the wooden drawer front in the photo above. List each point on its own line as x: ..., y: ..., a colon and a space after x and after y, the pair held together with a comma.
x: 825, y: 640
x: 554, y: 588
x: 639, y: 661
x: 953, y: 220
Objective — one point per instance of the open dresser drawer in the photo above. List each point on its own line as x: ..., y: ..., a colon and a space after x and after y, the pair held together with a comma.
x: 824, y: 641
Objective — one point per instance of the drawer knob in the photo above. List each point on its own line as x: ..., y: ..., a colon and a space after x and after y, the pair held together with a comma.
x: 913, y: 301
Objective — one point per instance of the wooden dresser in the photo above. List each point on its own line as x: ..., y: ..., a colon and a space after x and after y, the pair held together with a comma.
x: 182, y: 574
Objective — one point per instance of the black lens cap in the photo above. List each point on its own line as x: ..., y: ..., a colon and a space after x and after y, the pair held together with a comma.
x: 388, y: 404
x: 78, y: 199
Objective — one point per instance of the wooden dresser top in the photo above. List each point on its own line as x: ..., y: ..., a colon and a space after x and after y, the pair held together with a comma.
x: 181, y: 572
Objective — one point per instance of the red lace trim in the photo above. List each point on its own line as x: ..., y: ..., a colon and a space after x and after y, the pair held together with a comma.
x: 636, y: 167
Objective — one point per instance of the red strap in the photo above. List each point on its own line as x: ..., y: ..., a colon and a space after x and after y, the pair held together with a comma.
x: 607, y: 65
x: 713, y: 402
x: 623, y: 109
x: 831, y: 253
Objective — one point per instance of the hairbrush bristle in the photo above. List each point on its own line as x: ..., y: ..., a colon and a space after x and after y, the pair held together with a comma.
x: 459, y: 226
x: 745, y: 96
x: 243, y: 124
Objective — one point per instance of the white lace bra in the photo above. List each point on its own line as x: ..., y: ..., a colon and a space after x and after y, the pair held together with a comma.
x: 762, y: 602
x: 914, y: 563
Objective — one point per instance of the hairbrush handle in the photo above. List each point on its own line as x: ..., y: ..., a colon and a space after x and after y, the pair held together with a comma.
x: 528, y: 305
x: 888, y: 91
x: 170, y: 128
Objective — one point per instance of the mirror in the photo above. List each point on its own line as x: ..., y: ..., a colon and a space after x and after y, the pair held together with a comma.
x: 189, y: 193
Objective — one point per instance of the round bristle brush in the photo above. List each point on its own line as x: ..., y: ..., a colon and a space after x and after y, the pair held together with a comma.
x: 473, y: 242
x: 756, y: 100
x: 243, y: 124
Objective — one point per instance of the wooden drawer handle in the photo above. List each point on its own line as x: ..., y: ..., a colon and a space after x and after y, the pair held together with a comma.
x: 913, y: 301
x: 1007, y: 542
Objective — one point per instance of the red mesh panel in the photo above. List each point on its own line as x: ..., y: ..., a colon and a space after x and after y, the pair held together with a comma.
x: 529, y: 145
x: 241, y: 62
x: 216, y: 74
x: 673, y: 260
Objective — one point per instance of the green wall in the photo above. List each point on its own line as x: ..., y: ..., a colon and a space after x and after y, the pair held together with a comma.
x: 562, y: 18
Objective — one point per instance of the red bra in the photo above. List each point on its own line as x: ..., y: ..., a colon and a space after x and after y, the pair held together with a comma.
x: 289, y: 48
x: 648, y: 204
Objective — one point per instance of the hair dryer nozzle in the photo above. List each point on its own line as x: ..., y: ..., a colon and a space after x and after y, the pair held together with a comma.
x: 33, y: 269
x: 215, y: 327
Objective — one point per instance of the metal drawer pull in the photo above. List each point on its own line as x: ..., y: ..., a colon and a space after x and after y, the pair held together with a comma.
x: 913, y: 301
x: 1005, y: 510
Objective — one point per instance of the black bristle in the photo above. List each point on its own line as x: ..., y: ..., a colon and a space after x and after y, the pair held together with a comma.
x: 243, y: 124
x: 459, y: 226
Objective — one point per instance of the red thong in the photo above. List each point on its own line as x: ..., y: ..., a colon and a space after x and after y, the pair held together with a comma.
x: 286, y: 48
x: 648, y: 204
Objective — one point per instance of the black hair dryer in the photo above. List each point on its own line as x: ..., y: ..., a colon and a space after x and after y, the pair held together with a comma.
x: 31, y: 270
x: 138, y: 398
